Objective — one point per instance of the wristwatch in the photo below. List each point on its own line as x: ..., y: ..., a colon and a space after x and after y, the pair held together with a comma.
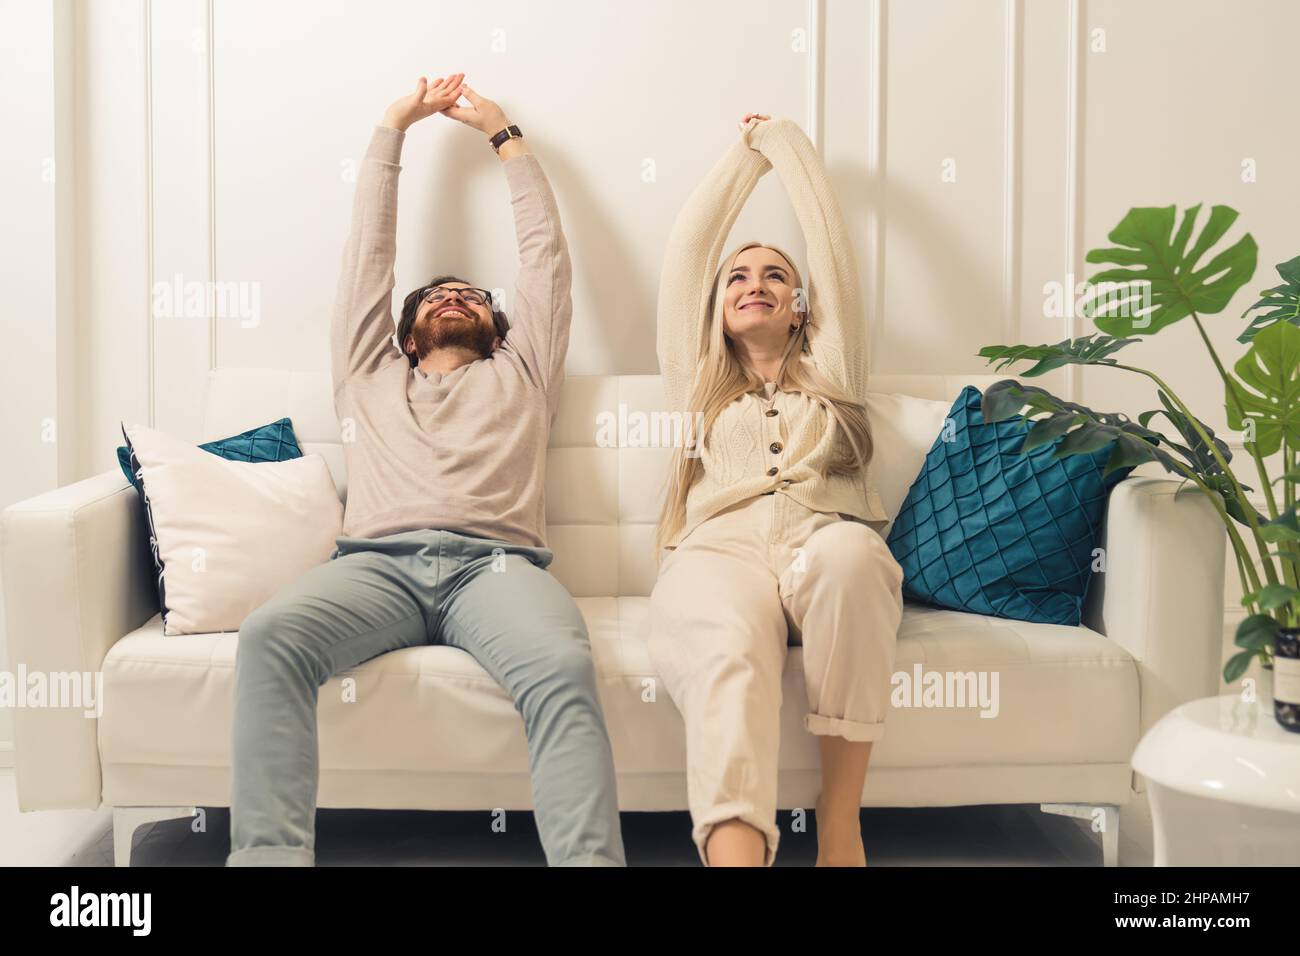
x: 510, y: 132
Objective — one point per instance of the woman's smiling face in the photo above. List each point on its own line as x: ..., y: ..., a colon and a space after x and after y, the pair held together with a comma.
x: 760, y: 295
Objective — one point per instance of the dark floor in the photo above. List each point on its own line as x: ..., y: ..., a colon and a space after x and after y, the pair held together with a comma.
x: 1019, y: 835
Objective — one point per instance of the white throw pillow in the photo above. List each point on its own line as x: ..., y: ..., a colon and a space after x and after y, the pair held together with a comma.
x: 229, y: 534
x: 903, y: 429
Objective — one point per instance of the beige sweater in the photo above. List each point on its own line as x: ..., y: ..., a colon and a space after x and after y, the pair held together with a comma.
x: 464, y: 451
x: 750, y: 452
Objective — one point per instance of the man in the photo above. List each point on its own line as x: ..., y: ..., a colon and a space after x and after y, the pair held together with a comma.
x: 443, y: 532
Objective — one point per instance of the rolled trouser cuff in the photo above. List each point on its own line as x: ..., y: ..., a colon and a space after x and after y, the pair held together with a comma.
x: 745, y: 813
x: 852, y: 730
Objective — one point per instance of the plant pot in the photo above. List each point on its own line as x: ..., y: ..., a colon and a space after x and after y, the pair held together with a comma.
x: 1285, y: 678
x: 1264, y: 690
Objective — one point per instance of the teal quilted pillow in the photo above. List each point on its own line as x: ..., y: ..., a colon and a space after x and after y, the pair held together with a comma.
x: 988, y: 530
x: 273, y: 442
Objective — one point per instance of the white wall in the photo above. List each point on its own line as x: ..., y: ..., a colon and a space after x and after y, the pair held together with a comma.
x: 39, y: 420
x: 216, y: 140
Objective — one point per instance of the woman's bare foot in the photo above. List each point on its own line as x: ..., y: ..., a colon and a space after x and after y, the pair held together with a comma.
x: 839, y: 836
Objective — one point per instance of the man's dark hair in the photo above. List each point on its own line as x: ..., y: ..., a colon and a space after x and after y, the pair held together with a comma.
x: 411, y: 305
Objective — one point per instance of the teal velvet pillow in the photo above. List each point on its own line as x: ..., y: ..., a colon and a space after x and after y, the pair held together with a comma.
x: 988, y: 530
x: 273, y: 442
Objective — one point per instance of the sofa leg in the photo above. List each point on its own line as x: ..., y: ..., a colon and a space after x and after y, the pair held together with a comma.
x: 127, y: 819
x: 1105, y: 816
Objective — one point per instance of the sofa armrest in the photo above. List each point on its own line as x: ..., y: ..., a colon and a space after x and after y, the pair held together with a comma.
x: 1161, y: 597
x: 77, y: 575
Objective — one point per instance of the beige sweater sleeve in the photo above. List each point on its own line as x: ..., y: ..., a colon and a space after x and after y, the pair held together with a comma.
x: 541, y: 312
x: 361, y: 328
x: 690, y: 261
x: 837, y: 331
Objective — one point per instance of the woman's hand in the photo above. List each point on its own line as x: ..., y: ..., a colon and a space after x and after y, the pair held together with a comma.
x: 749, y: 128
x: 482, y: 114
x: 425, y: 101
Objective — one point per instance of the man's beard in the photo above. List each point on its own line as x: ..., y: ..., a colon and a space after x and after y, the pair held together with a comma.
x: 434, y: 333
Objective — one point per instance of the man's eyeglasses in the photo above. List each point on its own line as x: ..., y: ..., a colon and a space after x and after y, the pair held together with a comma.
x: 473, y: 296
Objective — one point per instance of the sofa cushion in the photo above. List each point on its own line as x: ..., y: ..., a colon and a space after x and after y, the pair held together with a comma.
x: 433, y: 708
x: 903, y: 429
x: 226, y: 535
x: 993, y: 531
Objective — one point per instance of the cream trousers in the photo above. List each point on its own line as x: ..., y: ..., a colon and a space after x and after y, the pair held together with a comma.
x: 758, y: 575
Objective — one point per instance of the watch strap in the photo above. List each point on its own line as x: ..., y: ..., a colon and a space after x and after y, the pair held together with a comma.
x: 510, y: 132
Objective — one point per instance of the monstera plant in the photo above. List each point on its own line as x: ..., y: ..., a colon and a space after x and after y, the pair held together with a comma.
x: 1157, y: 277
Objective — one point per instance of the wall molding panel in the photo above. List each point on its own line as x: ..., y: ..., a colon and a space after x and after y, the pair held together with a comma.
x: 182, y: 226
x: 1012, y: 183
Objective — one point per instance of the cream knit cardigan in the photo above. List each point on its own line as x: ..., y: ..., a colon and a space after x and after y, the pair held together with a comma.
x: 748, y: 451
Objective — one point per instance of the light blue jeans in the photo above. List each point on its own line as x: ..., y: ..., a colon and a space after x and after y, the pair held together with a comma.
x: 490, y: 598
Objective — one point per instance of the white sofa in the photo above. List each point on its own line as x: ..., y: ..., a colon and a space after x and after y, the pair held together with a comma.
x: 1073, y: 701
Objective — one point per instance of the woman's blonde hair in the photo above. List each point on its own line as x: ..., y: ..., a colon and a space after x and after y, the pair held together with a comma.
x: 721, y: 379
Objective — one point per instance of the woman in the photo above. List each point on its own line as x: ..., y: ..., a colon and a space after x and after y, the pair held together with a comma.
x: 770, y: 528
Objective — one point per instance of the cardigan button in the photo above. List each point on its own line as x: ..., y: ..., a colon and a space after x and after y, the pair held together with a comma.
x: 775, y: 447
x: 771, y: 412
x: 772, y: 471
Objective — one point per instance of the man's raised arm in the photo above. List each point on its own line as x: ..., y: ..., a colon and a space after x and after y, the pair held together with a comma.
x: 542, y: 308
x: 361, y: 328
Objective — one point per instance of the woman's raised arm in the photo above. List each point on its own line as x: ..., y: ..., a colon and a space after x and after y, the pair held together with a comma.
x: 837, y: 333
x: 691, y: 260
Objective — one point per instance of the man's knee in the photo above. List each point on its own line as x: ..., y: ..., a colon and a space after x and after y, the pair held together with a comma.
x: 563, y: 681
x: 259, y: 628
x: 571, y: 666
x: 276, y: 634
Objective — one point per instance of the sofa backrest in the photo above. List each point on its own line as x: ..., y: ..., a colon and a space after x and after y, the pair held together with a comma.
x: 603, y: 485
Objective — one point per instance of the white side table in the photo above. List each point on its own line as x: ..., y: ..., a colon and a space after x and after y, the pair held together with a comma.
x: 1224, y: 782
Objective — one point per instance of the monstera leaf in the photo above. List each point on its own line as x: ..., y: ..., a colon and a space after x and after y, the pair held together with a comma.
x: 1089, y: 350
x: 1283, y: 300
x: 1267, y: 388
x: 1285, y: 527
x: 1195, y: 451
x: 1084, y: 430
x: 1201, y: 459
x: 1148, y: 252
